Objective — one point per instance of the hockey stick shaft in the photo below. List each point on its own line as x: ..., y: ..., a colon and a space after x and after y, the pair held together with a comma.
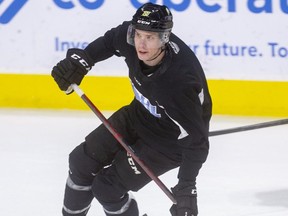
x: 120, y: 139
x: 248, y: 127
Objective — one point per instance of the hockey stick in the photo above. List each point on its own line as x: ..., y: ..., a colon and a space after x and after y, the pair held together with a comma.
x: 120, y: 139
x: 248, y: 127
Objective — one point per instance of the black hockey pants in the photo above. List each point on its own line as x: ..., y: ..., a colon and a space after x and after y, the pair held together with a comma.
x: 101, y: 168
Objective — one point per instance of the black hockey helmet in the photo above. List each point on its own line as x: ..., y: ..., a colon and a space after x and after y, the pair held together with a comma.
x: 151, y: 17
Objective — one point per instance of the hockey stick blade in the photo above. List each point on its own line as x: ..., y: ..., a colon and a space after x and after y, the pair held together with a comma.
x: 249, y: 127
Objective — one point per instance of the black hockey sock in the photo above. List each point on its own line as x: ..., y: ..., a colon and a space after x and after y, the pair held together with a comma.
x: 78, y: 192
x: 126, y: 207
x: 77, y: 199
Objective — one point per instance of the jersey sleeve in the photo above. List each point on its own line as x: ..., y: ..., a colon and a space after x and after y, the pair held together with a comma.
x: 187, y: 108
x: 113, y: 42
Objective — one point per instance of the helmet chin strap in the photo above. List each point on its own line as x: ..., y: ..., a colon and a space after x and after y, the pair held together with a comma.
x: 153, y: 58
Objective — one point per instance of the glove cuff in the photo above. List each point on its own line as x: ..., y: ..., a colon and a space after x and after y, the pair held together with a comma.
x: 185, y: 189
x: 81, y: 58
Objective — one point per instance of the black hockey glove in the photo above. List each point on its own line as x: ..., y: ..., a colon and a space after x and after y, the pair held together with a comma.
x: 186, y: 196
x: 72, y: 69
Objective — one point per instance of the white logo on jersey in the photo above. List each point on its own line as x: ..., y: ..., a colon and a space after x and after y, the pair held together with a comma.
x: 194, y: 191
x: 132, y: 164
x: 174, y: 47
x: 137, y: 81
x: 145, y: 102
x: 201, y: 96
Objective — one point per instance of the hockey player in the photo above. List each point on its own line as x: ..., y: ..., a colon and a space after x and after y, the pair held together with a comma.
x: 166, y: 123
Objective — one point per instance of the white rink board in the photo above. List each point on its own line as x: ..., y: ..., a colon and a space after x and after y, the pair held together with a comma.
x: 244, y: 39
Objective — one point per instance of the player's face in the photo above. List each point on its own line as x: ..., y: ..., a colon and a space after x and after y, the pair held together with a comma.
x: 147, y: 44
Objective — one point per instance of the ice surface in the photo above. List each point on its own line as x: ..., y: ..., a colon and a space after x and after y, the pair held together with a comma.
x: 246, y: 173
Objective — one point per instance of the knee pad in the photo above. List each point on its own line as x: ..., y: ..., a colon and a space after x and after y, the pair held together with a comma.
x: 106, y: 186
x: 112, y: 195
x: 82, y: 168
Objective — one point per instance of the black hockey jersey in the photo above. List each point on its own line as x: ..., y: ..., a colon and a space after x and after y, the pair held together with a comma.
x: 172, y: 105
